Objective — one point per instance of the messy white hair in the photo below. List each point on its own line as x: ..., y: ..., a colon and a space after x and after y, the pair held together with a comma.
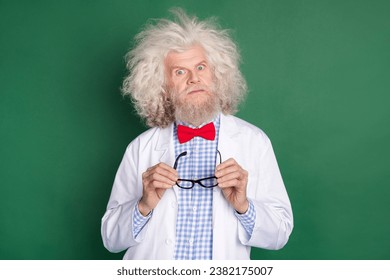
x: 145, y: 83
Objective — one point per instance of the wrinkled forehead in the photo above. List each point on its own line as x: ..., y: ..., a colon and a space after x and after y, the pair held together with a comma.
x: 185, y: 57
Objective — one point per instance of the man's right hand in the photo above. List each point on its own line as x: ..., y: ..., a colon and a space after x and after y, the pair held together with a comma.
x: 155, y: 181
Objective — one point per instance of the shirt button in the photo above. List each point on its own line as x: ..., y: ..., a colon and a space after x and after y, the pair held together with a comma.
x: 191, y: 241
x: 194, y: 208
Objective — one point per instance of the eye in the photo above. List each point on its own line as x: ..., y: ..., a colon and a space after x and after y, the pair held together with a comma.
x: 180, y: 72
x: 201, y: 67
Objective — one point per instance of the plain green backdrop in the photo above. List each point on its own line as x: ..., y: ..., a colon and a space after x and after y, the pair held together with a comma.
x: 319, y: 86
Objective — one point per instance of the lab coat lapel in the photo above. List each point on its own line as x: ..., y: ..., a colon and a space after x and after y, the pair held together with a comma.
x: 227, y: 145
x: 228, y: 132
x: 165, y: 148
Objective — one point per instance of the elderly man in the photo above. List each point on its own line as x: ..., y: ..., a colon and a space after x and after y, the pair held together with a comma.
x: 200, y: 183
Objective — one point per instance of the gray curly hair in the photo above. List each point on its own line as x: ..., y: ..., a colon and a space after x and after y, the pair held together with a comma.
x: 145, y: 83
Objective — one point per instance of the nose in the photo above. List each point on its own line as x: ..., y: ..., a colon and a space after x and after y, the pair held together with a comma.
x: 193, y: 78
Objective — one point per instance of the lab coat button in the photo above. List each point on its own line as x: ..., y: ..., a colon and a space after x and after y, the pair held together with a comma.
x: 168, y: 241
x: 173, y: 204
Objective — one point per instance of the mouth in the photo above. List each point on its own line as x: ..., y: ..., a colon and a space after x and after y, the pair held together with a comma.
x: 196, y: 91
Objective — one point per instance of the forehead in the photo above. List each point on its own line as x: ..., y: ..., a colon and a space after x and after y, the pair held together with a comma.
x: 187, y: 58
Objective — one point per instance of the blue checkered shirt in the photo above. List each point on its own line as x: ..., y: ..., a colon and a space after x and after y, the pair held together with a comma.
x: 194, y: 231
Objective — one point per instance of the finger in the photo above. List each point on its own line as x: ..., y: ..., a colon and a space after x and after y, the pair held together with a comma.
x: 156, y: 180
x: 228, y: 177
x: 233, y: 183
x: 167, y: 174
x: 227, y: 170
x: 161, y: 185
x: 226, y: 163
x: 163, y: 169
x: 166, y: 167
x: 155, y: 184
x: 161, y: 178
x: 238, y: 185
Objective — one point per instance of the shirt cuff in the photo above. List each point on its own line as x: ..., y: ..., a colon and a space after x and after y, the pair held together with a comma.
x: 248, y: 218
x: 139, y: 221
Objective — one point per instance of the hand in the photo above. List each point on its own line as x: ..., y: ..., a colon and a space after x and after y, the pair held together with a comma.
x: 233, y: 180
x: 155, y: 181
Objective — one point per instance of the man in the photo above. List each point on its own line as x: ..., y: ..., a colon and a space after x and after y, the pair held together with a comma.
x: 201, y: 183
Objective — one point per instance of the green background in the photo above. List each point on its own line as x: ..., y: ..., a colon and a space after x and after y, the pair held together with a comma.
x: 318, y: 75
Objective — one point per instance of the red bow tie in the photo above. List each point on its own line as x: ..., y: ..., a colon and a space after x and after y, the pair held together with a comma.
x: 185, y: 133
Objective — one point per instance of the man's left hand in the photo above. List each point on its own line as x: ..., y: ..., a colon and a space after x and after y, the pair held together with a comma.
x: 233, y: 180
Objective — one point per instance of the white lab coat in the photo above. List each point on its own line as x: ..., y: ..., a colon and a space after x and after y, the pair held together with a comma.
x: 250, y: 147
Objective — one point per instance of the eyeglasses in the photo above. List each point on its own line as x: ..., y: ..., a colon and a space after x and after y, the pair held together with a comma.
x: 208, y: 182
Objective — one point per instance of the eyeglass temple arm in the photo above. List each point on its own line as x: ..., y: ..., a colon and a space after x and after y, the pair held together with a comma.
x: 220, y: 157
x: 185, y: 153
x: 177, y: 159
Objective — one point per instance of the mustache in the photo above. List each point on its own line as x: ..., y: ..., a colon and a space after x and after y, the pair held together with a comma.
x: 195, y: 88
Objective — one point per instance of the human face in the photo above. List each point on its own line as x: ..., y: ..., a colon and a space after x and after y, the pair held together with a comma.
x: 188, y: 73
x: 190, y: 87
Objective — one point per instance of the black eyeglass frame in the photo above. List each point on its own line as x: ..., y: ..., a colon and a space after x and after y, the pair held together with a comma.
x: 195, y: 181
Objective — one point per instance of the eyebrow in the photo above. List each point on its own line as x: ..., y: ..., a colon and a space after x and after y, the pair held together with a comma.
x: 179, y: 67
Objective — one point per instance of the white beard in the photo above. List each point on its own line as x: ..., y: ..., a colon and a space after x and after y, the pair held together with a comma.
x: 196, y: 109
